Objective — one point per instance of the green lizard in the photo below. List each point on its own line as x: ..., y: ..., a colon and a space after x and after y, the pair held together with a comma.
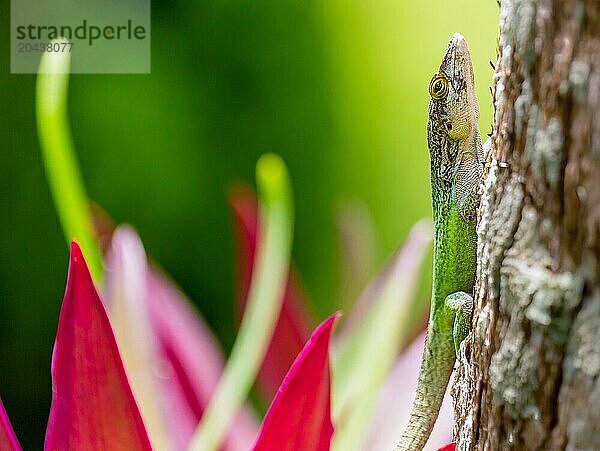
x: 457, y: 158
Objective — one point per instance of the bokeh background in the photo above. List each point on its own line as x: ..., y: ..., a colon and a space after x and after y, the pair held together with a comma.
x: 337, y: 87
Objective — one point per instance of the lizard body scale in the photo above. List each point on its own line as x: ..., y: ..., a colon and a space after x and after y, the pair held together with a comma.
x: 456, y: 156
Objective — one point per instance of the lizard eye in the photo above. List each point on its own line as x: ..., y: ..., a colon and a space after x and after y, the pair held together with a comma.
x: 438, y: 86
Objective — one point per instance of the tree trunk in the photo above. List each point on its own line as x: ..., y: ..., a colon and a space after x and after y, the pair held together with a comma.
x: 534, y: 378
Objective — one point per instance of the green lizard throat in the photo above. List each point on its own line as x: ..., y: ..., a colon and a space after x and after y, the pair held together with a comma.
x: 456, y: 156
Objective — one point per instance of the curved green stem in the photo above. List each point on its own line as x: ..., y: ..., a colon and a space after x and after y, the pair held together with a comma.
x: 265, y: 297
x: 58, y: 154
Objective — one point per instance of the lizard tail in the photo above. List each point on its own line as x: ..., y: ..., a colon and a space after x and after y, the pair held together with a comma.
x: 436, y: 368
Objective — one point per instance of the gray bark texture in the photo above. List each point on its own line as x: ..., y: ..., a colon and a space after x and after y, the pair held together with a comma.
x: 534, y: 376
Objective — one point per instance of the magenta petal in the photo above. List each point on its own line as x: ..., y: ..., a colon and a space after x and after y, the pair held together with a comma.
x: 300, y: 416
x: 8, y: 439
x: 92, y: 403
x: 192, y: 366
x: 448, y: 447
x: 294, y: 324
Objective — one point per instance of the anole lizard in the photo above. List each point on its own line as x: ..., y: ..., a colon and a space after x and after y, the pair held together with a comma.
x: 457, y: 158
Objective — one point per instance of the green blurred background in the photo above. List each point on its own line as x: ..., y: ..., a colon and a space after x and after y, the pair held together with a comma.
x: 338, y: 88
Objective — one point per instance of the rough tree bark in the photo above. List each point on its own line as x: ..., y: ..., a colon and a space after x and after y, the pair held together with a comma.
x: 534, y: 379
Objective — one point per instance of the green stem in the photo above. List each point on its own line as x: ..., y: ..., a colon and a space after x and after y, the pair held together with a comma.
x: 58, y: 154
x: 265, y: 297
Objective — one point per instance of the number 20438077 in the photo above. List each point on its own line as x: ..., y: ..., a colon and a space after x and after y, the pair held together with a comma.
x: 29, y: 47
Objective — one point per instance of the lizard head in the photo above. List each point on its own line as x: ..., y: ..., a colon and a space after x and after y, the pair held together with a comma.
x: 453, y: 108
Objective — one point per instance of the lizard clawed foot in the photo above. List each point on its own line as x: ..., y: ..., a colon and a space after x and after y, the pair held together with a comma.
x: 463, y: 358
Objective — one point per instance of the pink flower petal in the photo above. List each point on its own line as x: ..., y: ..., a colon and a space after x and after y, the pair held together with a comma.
x: 92, y: 403
x: 126, y: 299
x: 8, y: 439
x: 294, y: 325
x: 192, y: 365
x: 358, y: 248
x: 406, y: 260
x: 395, y: 402
x: 370, y: 339
x: 300, y: 416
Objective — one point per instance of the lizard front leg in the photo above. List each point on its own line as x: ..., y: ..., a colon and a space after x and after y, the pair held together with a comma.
x: 461, y: 304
